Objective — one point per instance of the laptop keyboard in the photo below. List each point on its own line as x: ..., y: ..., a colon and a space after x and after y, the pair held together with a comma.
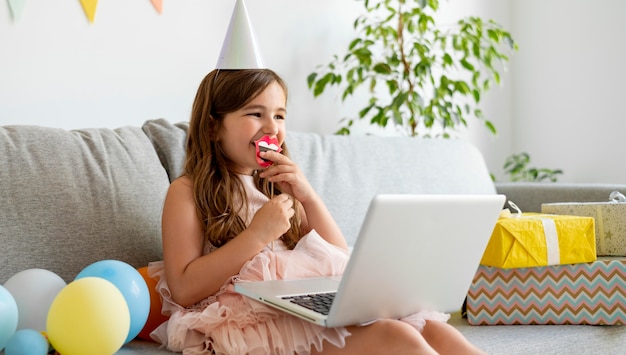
x: 318, y: 302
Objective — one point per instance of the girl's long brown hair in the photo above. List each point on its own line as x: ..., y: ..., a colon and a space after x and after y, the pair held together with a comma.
x: 218, y: 192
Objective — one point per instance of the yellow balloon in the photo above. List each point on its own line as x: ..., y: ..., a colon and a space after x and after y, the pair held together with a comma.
x: 88, y: 316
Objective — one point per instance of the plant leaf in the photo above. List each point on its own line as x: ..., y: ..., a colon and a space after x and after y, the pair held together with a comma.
x: 382, y: 68
x: 311, y: 79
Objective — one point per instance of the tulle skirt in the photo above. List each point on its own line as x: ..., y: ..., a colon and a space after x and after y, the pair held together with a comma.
x: 229, y: 323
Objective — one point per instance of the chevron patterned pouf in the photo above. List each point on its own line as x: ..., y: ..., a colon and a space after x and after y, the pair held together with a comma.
x: 589, y: 293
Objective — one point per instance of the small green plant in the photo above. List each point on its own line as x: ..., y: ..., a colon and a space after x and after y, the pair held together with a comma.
x: 516, y: 166
x: 434, y: 75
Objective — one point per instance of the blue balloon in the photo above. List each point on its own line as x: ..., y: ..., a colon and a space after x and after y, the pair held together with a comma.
x: 27, y: 342
x: 132, y: 286
x: 8, y: 316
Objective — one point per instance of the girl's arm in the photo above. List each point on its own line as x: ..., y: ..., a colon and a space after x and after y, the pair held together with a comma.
x: 192, y: 276
x: 319, y: 218
x: 292, y: 181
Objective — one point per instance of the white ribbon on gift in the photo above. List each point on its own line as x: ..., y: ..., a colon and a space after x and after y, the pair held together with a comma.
x: 617, y: 197
x: 552, y: 241
x: 551, y: 234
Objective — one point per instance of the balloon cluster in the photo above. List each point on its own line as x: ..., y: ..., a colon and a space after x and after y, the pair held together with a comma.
x: 108, y: 304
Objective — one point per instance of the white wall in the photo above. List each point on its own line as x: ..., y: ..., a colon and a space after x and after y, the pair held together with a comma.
x: 569, y: 87
x: 133, y: 64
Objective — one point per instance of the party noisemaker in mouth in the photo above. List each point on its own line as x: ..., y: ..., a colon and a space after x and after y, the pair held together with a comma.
x: 265, y: 144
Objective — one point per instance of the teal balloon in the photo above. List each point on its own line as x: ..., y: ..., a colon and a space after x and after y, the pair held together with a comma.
x: 132, y: 286
x: 27, y: 342
x: 8, y: 316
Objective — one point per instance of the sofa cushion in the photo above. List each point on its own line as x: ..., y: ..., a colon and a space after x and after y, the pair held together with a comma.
x: 70, y: 198
x: 169, y: 142
x: 347, y: 171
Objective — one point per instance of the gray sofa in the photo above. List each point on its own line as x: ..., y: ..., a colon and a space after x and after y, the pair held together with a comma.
x: 70, y: 198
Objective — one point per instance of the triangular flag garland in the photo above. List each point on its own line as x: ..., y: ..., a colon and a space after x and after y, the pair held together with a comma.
x: 158, y: 5
x: 89, y: 6
x: 17, y: 7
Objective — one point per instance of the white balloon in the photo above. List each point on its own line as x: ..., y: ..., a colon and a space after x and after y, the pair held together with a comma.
x: 33, y: 291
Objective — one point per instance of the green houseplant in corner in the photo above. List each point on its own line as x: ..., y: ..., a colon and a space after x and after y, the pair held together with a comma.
x: 516, y: 166
x: 420, y: 76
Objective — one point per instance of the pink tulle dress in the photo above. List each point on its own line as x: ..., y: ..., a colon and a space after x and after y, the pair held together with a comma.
x: 229, y: 323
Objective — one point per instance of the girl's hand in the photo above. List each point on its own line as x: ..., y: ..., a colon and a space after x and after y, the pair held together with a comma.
x: 272, y: 220
x: 287, y: 175
x: 291, y: 180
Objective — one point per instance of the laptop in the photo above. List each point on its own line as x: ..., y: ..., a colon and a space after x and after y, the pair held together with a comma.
x: 413, y: 252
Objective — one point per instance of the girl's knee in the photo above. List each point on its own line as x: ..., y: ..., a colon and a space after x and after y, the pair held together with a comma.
x: 447, y: 340
x: 385, y: 336
x: 402, y: 335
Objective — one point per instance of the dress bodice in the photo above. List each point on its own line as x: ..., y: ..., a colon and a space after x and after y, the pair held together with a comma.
x: 256, y: 200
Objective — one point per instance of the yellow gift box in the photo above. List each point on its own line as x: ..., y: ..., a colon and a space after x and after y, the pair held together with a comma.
x: 535, y: 239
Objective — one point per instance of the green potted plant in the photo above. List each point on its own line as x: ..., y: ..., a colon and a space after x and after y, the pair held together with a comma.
x: 516, y: 167
x: 432, y: 76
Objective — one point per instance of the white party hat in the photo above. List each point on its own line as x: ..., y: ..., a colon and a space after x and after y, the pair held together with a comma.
x: 240, y: 50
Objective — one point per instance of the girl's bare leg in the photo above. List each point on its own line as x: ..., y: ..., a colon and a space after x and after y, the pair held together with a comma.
x: 446, y: 339
x: 383, y: 337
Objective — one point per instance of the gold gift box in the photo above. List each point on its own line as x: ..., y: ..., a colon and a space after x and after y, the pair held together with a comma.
x: 535, y: 239
x: 610, y: 219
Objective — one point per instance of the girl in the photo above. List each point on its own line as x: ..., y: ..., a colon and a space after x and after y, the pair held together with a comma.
x: 229, y: 217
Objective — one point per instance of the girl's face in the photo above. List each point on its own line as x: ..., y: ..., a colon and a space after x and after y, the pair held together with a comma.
x: 265, y: 115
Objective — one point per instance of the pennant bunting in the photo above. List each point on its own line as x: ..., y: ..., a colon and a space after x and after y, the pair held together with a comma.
x: 17, y: 7
x: 89, y: 6
x: 158, y: 5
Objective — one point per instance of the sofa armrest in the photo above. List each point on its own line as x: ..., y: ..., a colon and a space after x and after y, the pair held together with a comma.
x: 529, y: 196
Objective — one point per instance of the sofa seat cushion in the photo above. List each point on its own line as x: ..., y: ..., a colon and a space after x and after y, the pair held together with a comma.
x: 70, y: 198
